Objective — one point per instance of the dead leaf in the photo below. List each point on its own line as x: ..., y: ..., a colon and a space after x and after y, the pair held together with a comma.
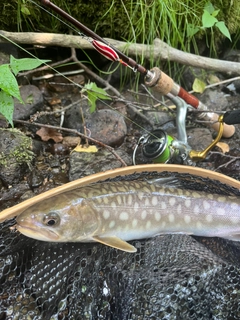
x: 223, y: 146
x: 85, y: 148
x: 47, y: 134
x: 198, y: 85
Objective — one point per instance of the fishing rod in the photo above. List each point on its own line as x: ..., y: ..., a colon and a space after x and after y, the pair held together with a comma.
x: 158, y: 145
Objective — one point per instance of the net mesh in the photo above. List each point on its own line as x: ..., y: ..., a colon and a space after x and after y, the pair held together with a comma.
x: 169, y: 277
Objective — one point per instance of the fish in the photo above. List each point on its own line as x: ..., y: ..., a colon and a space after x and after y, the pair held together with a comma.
x: 115, y: 212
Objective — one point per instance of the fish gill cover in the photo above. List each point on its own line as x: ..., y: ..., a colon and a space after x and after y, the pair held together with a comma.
x: 169, y: 277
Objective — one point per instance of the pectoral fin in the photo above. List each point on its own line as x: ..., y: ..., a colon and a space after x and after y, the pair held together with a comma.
x: 115, y: 243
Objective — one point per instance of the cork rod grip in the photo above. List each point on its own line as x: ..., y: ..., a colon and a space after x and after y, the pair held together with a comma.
x: 160, y: 81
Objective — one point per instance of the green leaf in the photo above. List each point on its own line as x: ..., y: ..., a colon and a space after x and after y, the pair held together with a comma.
x: 222, y: 27
x: 6, y: 106
x: 208, y: 20
x: 215, y: 13
x: 25, y: 10
x: 8, y: 82
x: 198, y: 86
x: 94, y: 93
x: 209, y: 7
x: 18, y: 65
x: 192, y: 30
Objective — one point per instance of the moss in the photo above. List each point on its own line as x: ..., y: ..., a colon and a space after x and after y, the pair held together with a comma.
x: 19, y: 151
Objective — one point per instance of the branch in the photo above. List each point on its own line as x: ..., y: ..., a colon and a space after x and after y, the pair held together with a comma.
x: 159, y: 49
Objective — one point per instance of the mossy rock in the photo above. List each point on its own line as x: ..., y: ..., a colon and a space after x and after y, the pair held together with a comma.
x: 15, y: 155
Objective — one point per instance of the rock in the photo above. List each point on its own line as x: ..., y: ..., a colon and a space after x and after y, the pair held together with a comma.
x: 107, y: 126
x: 15, y: 155
x: 33, y: 99
x: 83, y: 164
x: 214, y: 99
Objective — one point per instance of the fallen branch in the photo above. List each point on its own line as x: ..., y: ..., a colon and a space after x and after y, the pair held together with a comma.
x: 159, y: 49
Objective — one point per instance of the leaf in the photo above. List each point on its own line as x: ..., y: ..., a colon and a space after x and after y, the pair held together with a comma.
x: 94, y: 93
x: 6, y: 106
x: 198, y: 85
x: 8, y: 82
x: 25, y: 10
x: 18, y: 65
x: 192, y: 30
x: 222, y: 27
x: 47, y: 134
x: 215, y: 13
x: 223, y: 146
x: 85, y: 148
x: 209, y: 7
x: 208, y: 20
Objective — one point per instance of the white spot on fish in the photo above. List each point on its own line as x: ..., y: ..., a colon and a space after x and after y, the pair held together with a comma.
x: 221, y: 211
x: 148, y: 225
x: 112, y: 224
x: 171, y: 217
x: 143, y: 214
x: 172, y: 201
x: 136, y: 206
x: 234, y: 219
x: 209, y: 218
x: 188, y: 203
x: 221, y: 199
x: 134, y: 223
x: 196, y: 194
x: 163, y: 205
x: 206, y: 205
x: 147, y: 203
x: 140, y: 195
x: 157, y: 216
x: 154, y: 201
x: 123, y: 216
x: 119, y: 200
x: 210, y: 196
x: 234, y: 206
x: 105, y: 200
x: 196, y: 209
x: 129, y: 199
x: 179, y: 209
x: 106, y: 214
x: 187, y: 218
x: 113, y: 205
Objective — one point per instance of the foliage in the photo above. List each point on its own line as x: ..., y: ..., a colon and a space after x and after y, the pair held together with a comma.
x: 9, y: 86
x: 209, y: 21
x: 94, y: 93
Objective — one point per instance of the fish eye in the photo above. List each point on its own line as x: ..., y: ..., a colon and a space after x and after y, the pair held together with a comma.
x: 52, y: 219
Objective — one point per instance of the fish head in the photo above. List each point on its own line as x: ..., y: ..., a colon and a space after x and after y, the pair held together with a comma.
x: 59, y: 219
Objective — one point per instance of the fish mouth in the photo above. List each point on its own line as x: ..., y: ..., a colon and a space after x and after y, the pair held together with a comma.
x: 38, y: 234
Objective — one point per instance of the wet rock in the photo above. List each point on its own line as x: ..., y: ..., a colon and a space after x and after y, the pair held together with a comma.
x: 15, y: 155
x: 35, y: 178
x: 214, y: 99
x: 33, y: 100
x: 107, y: 126
x: 83, y: 164
x: 73, y: 116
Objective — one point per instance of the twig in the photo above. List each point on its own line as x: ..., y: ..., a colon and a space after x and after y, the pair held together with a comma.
x: 233, y: 158
x: 101, y: 144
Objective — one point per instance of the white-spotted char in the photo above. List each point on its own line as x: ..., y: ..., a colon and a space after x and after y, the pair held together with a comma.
x: 115, y: 212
